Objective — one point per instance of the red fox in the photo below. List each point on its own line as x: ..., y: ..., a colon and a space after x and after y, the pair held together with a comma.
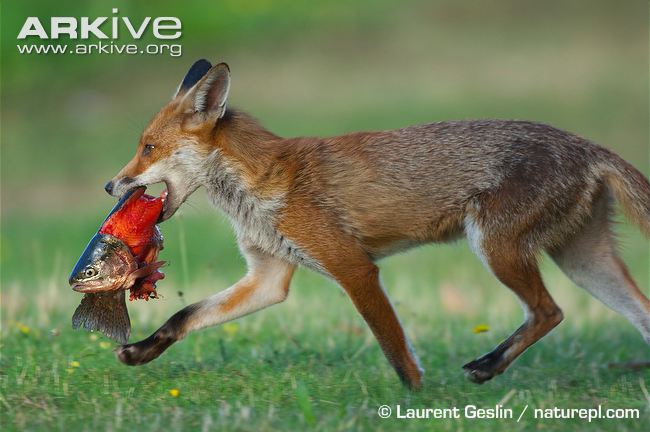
x: 336, y: 205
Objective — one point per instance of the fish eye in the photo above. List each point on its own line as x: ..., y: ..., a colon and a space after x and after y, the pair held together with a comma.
x: 147, y: 149
x: 90, y: 272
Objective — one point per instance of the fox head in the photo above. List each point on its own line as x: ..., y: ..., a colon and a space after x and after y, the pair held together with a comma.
x: 176, y: 143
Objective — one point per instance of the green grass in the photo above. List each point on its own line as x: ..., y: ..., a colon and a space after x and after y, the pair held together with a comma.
x: 330, y: 376
x: 311, y: 361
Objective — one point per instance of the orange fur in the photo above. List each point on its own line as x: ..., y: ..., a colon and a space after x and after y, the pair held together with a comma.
x: 337, y: 205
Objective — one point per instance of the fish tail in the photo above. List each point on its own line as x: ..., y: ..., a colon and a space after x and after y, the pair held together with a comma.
x: 104, y: 312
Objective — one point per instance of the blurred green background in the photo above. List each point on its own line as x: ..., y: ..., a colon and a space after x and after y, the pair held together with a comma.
x: 69, y: 123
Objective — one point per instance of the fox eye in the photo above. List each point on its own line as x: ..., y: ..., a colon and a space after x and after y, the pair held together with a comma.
x: 147, y: 149
x: 90, y: 272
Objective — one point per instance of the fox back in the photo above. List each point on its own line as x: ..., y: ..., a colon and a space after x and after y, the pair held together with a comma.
x: 336, y: 205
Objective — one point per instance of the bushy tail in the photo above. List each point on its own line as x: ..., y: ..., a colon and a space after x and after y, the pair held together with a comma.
x: 631, y: 189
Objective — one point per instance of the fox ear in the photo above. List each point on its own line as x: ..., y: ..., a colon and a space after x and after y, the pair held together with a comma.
x: 209, y: 95
x: 196, y: 72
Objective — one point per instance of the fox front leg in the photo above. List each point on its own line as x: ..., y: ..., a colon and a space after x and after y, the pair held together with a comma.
x: 267, y: 283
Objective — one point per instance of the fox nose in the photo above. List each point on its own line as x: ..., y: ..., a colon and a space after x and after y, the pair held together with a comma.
x: 109, y: 187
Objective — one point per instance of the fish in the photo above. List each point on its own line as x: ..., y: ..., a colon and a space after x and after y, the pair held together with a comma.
x: 106, y: 313
x: 121, y: 256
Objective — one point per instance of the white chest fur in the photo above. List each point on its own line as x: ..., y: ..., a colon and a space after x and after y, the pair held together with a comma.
x: 253, y: 218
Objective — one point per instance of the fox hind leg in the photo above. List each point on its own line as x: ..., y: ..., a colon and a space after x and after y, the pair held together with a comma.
x: 590, y: 260
x: 542, y: 314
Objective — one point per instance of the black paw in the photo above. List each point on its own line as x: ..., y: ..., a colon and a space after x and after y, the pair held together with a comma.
x: 481, y: 370
x: 144, y: 351
x: 130, y: 355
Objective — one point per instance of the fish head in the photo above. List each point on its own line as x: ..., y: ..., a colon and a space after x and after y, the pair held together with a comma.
x: 104, y: 266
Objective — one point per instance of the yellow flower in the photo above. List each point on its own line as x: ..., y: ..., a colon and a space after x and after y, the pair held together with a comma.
x: 481, y: 328
x: 93, y: 337
x: 174, y: 392
x: 23, y: 328
x: 104, y: 345
x: 231, y: 329
x: 74, y: 364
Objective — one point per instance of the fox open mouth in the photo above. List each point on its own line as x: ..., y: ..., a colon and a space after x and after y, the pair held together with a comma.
x: 166, y: 196
x: 139, y: 191
x: 163, y: 195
